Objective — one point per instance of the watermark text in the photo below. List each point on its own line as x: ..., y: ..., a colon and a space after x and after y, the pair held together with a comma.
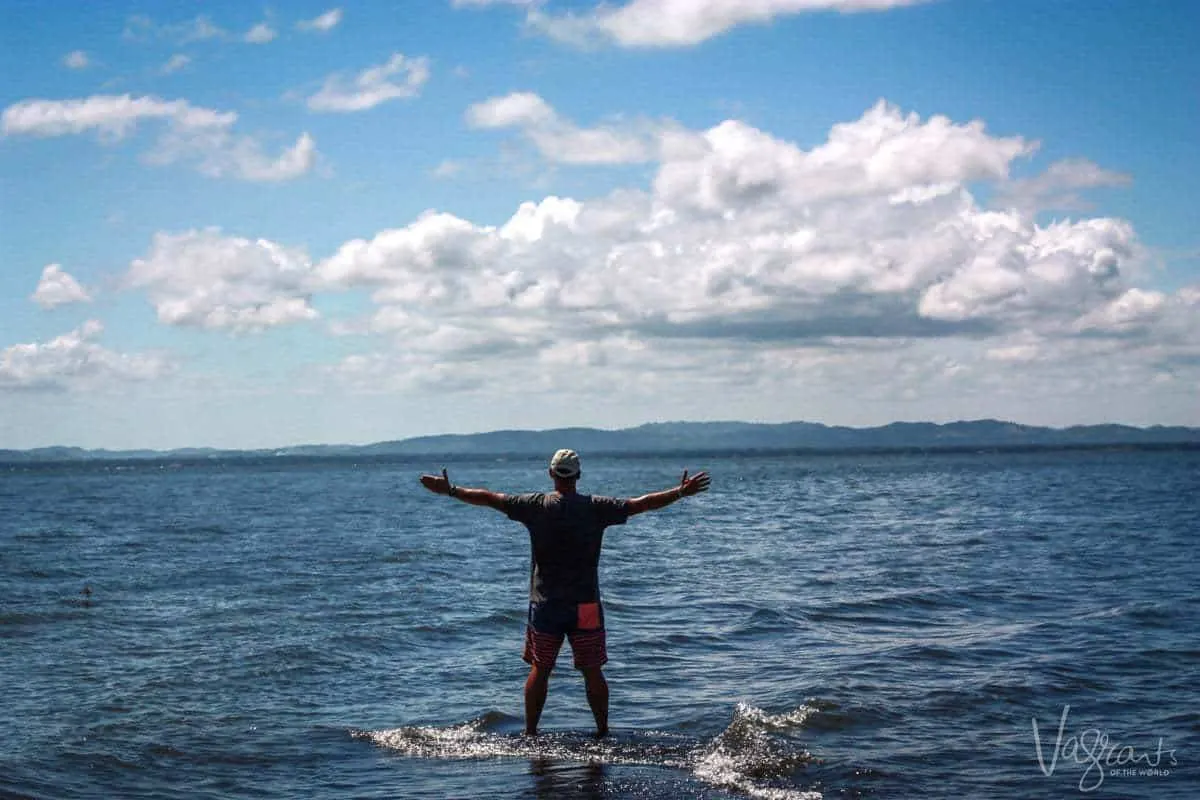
x: 1101, y: 756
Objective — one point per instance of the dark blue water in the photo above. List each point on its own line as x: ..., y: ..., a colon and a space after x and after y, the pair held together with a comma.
x: 838, y: 627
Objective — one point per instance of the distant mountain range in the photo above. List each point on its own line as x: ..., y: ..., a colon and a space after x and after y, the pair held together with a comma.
x: 688, y: 436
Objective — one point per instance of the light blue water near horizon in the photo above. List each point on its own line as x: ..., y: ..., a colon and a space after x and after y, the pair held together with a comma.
x: 884, y: 626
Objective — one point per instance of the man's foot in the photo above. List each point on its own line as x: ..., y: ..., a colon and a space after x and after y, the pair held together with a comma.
x: 530, y: 733
x: 600, y: 734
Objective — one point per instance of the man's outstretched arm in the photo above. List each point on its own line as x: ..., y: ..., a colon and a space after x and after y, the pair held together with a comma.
x: 440, y: 484
x: 686, y: 488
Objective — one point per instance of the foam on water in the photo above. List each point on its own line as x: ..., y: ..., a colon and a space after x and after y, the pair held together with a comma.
x: 750, y: 753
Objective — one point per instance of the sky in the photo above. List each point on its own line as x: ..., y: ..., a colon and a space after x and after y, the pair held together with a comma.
x: 252, y: 225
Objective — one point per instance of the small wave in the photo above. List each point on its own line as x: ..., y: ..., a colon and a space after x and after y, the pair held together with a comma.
x: 753, y: 755
x: 833, y: 717
x: 889, y: 608
x: 102, y: 761
x: 202, y: 531
x: 403, y: 556
x: 709, y: 640
x: 29, y: 618
x: 925, y: 651
x: 745, y: 756
x: 165, y: 751
x: 1151, y: 614
x: 46, y: 535
x: 791, y: 719
x: 503, y: 617
x: 768, y: 620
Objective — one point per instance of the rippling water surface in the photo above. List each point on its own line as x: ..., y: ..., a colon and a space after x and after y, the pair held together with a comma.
x: 888, y: 626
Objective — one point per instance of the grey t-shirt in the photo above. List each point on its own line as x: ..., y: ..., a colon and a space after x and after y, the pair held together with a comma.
x: 565, y: 533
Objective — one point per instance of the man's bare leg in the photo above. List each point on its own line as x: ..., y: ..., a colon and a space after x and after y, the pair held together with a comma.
x: 536, y: 686
x: 597, y: 696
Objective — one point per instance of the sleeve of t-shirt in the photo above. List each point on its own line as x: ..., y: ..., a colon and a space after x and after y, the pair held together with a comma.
x: 522, y: 507
x: 611, y: 510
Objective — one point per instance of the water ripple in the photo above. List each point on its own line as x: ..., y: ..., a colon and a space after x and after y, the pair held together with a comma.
x: 856, y: 626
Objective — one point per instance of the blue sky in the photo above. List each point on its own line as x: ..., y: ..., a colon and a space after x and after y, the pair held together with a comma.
x: 245, y: 225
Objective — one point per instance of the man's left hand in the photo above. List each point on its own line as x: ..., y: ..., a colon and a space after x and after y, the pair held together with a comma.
x: 694, y: 485
x: 438, y: 484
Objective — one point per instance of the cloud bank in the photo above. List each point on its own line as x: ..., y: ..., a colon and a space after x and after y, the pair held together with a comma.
x: 746, y: 261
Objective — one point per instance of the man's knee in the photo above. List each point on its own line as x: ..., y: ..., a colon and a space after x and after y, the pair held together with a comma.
x: 540, y: 673
x: 593, y: 675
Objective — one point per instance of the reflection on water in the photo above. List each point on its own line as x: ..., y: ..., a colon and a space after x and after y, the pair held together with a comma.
x: 552, y: 779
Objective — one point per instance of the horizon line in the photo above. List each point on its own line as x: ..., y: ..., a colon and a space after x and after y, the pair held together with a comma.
x: 401, y: 440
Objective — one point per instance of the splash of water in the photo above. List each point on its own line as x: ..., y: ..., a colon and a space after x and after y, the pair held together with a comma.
x: 749, y: 755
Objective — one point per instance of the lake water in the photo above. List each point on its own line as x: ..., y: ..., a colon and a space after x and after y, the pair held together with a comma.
x: 881, y: 626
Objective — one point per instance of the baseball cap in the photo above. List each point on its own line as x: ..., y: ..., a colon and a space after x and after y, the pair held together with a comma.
x: 565, y: 464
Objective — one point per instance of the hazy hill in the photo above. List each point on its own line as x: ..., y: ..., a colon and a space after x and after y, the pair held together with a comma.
x: 676, y: 436
x: 664, y: 436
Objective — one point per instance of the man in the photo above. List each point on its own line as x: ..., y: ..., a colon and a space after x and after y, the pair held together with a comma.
x: 565, y: 532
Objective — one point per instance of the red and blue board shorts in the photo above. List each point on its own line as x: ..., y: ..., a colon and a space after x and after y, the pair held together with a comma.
x: 550, y: 621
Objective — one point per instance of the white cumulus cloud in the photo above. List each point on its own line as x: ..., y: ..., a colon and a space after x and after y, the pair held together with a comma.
x: 1133, y: 309
x: 560, y: 140
x: 113, y: 116
x: 448, y: 168
x: 372, y: 86
x: 140, y: 28
x: 174, y: 64
x: 322, y: 23
x: 262, y: 33
x: 73, y: 361
x: 76, y: 59
x: 218, y: 153
x: 884, y: 151
x: 1059, y: 186
x: 1019, y: 270
x: 58, y: 288
x: 681, y: 23
x: 200, y: 136
x: 207, y: 280
x: 482, y: 3
x: 515, y: 109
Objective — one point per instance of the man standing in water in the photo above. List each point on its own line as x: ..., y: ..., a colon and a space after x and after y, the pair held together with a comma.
x: 565, y: 533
